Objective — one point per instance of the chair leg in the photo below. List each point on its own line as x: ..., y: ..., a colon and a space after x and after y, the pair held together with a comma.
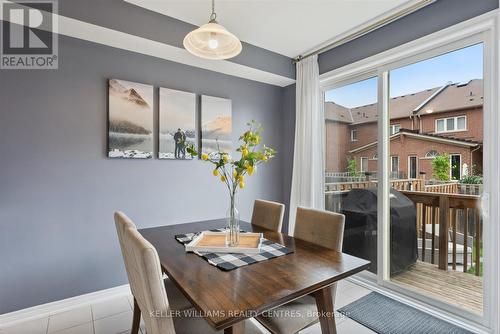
x: 136, y: 320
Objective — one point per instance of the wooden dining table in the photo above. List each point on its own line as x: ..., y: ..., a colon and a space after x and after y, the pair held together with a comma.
x: 227, y: 298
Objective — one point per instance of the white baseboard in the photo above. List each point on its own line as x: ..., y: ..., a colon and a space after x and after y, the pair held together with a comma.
x: 58, y: 306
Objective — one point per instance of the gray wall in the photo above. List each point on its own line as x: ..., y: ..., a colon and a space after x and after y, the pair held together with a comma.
x: 437, y: 16
x: 58, y: 191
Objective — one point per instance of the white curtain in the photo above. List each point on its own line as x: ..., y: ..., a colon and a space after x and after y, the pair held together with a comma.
x: 308, y: 161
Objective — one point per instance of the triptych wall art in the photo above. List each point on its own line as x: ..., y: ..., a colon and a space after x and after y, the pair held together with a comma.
x: 131, y: 122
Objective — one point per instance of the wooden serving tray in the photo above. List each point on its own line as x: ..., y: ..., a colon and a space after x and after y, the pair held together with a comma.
x: 215, y: 242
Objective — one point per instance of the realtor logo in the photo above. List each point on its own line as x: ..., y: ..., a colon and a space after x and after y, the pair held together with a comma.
x: 29, y: 35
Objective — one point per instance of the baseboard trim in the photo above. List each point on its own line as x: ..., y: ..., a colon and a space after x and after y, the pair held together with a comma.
x: 58, y: 306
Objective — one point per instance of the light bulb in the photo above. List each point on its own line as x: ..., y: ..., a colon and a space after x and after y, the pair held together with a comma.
x: 213, y: 43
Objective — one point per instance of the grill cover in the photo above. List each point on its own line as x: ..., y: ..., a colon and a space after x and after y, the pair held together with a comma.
x: 360, y: 235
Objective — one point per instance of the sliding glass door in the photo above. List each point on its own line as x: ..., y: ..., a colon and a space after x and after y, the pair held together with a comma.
x: 351, y: 115
x: 407, y: 163
x: 435, y: 215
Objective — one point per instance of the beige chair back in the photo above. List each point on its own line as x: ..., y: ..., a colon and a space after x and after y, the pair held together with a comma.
x: 122, y: 222
x: 323, y: 228
x: 268, y: 215
x: 145, y: 276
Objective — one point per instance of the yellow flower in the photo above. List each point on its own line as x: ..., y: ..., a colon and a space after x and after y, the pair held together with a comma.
x: 264, y: 158
x: 216, y: 172
x: 204, y: 156
x: 223, y: 178
x: 225, y: 158
x: 242, y: 184
x: 240, y: 178
x: 244, y: 152
x: 235, y: 173
x: 250, y: 170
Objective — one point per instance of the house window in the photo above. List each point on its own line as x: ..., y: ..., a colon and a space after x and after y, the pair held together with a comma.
x: 412, y: 167
x: 364, y: 164
x: 456, y: 166
x: 431, y: 154
x: 354, y: 135
x: 451, y: 124
x: 394, y: 129
x: 394, y: 164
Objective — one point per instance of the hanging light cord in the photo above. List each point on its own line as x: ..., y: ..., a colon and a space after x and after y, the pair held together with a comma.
x: 213, y: 16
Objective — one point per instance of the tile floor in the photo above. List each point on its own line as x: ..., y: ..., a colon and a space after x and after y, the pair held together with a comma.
x: 114, y: 316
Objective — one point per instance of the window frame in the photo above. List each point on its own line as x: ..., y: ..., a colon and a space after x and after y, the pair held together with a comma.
x: 459, y: 167
x: 455, y: 124
x: 427, y: 156
x: 354, y: 131
x: 399, y: 160
x: 393, y: 126
x: 410, y: 156
x: 361, y: 164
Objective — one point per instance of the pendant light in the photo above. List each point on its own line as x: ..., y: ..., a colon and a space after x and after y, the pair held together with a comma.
x: 212, y: 41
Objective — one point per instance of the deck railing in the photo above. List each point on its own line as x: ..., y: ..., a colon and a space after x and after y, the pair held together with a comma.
x: 449, y: 219
x: 400, y: 184
x: 470, y: 189
x: 444, y: 221
x: 445, y: 188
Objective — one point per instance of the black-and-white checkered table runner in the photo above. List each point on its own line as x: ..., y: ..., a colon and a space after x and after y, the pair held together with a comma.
x: 230, y: 261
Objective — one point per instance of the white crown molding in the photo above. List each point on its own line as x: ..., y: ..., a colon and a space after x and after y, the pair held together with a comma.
x: 44, y: 310
x: 121, y: 40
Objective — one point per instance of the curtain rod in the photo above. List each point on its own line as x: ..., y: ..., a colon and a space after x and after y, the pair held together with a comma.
x: 374, y: 26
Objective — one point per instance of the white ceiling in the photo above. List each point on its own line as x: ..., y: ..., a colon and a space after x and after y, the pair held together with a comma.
x: 288, y: 27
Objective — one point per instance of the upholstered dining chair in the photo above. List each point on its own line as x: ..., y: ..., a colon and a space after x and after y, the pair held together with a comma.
x: 323, y: 228
x: 268, y: 215
x: 177, y: 299
x: 148, y: 285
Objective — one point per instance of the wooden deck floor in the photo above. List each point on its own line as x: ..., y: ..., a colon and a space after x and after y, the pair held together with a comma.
x: 456, y: 288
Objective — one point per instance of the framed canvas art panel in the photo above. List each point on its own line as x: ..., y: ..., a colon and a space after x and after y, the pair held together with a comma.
x: 177, y: 124
x: 130, y: 120
x: 216, y: 125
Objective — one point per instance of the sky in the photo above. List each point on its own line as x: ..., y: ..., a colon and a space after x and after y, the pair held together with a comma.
x: 457, y: 66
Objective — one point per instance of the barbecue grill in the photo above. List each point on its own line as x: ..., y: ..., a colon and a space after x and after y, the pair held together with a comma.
x: 360, y: 234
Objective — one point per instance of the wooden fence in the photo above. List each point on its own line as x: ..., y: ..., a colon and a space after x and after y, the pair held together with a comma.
x: 444, y: 188
x: 403, y: 184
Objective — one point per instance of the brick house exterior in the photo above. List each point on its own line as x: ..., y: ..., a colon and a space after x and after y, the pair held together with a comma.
x: 446, y: 119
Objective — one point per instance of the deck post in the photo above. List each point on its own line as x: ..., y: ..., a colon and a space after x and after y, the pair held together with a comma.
x: 444, y: 217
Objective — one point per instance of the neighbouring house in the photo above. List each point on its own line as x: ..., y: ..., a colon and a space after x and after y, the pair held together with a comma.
x: 439, y: 120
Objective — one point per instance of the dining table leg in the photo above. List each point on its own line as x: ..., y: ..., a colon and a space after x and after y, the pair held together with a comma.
x: 238, y: 328
x: 324, y: 303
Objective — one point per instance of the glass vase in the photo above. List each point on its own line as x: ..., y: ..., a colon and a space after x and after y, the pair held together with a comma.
x: 233, y: 225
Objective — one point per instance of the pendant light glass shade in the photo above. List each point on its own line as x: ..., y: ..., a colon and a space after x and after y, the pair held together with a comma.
x: 212, y: 41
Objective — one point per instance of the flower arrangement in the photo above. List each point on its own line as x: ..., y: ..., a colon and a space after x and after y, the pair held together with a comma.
x: 232, y: 172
